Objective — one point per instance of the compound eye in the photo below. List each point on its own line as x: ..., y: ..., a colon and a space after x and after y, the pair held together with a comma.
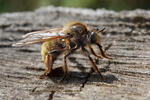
x: 93, y: 33
x: 93, y: 37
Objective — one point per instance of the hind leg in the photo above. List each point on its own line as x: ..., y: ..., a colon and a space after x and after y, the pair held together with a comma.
x: 49, y: 64
x: 49, y: 61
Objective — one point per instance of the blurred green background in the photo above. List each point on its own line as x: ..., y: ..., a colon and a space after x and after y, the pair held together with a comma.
x: 117, y: 5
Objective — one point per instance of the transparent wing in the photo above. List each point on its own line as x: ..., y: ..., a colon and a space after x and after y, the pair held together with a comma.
x: 40, y: 36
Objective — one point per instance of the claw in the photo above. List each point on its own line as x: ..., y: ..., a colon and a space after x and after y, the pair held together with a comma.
x: 43, y: 75
x: 40, y: 77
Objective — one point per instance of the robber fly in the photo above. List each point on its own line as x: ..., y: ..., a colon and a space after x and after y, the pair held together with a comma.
x: 66, y: 40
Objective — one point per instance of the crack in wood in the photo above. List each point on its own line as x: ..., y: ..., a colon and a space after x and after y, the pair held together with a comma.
x: 33, y: 90
x: 5, y: 46
x: 129, y: 73
x: 86, y: 79
x: 51, y: 95
x: 10, y: 39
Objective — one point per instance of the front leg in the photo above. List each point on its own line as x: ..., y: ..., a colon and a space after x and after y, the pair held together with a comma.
x: 93, y: 52
x: 103, y: 52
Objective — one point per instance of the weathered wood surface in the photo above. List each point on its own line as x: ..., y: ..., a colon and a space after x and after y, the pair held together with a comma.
x: 126, y: 39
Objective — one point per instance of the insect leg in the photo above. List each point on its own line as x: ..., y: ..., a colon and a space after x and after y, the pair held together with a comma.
x: 85, y: 51
x: 103, y: 52
x: 93, y: 52
x: 65, y: 67
x: 49, y: 63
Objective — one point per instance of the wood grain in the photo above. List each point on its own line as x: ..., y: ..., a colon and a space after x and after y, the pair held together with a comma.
x: 126, y: 39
